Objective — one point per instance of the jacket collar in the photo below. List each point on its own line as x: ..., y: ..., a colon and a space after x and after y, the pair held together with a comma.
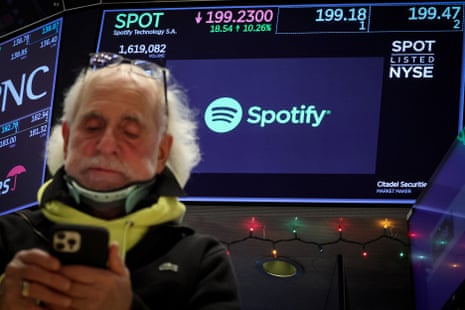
x: 165, y: 185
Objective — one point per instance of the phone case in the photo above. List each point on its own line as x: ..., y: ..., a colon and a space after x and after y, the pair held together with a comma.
x: 80, y: 245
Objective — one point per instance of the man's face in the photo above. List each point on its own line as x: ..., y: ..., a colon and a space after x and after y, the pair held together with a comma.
x: 115, y: 138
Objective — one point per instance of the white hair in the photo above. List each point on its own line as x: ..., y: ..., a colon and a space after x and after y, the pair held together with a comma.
x: 185, y: 151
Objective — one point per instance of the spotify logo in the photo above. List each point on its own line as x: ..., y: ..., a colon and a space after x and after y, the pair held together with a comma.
x: 223, y: 115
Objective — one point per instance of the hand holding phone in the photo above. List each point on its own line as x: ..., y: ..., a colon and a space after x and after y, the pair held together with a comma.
x: 80, y: 245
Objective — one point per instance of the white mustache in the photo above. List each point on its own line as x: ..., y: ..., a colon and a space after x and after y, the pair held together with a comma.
x: 104, y: 163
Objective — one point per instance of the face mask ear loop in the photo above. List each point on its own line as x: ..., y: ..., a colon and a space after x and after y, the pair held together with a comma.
x: 136, y: 195
x: 73, y: 192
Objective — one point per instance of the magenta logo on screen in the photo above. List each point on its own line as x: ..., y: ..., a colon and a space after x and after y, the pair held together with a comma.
x: 9, y: 183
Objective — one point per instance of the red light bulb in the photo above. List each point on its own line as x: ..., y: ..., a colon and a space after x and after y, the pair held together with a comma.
x: 252, y: 225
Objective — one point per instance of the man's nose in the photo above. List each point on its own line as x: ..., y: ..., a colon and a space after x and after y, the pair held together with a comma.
x: 108, y: 143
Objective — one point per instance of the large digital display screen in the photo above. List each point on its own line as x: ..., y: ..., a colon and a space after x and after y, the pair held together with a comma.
x: 349, y: 103
x: 27, y: 81
x: 437, y: 227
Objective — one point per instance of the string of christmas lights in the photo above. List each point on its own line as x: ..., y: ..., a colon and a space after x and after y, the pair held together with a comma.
x: 319, y: 245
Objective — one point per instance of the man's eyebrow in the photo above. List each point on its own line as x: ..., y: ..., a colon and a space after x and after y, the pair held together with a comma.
x: 95, y: 114
x: 132, y: 118
x: 91, y: 115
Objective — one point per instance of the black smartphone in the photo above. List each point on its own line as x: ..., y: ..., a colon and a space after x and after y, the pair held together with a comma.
x: 80, y: 245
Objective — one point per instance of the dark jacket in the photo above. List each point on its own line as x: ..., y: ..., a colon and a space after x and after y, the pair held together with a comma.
x: 172, y: 266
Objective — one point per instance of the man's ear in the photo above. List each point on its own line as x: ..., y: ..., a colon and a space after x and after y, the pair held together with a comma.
x: 65, y: 134
x: 164, y: 151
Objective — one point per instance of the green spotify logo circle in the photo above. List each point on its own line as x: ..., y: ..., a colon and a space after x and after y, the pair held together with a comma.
x: 223, y: 114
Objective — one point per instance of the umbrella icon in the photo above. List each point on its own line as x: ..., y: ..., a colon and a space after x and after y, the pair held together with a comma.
x: 14, y: 173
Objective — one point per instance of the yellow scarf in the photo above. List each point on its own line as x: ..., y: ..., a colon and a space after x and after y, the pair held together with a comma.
x: 127, y: 230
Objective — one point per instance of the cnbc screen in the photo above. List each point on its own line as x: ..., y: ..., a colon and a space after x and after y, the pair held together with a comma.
x: 28, y: 68
x: 308, y: 102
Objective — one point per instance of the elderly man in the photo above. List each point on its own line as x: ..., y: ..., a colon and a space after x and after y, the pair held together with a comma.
x: 120, y: 157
